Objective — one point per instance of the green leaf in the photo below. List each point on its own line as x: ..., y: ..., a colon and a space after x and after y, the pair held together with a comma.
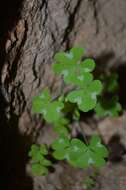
x: 77, y: 53
x: 110, y: 81
x: 40, y: 101
x: 60, y: 154
x: 74, y: 71
x: 76, y: 150
x: 86, y: 98
x: 37, y: 105
x: 108, y: 107
x: 38, y: 169
x: 46, y: 162
x: 34, y: 149
x: 85, y: 160
x: 88, y: 65
x: 43, y: 149
x: 61, y: 143
x: 100, y: 149
x: 52, y: 112
x: 61, y: 130
x: 89, y: 183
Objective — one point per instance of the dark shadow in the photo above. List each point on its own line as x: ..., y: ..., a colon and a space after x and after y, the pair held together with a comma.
x: 103, y: 67
x: 116, y: 149
x: 13, y: 152
x: 13, y: 146
x: 102, y: 63
x: 121, y: 70
x: 9, y: 16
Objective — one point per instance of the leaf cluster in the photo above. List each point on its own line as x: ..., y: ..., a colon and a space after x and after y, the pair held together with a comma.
x: 39, y: 164
x: 79, y: 154
x: 108, y: 102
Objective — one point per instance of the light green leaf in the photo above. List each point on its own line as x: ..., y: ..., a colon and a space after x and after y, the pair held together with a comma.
x: 52, y: 112
x: 87, y: 65
x: 43, y: 149
x: 46, y: 162
x: 77, y: 53
x: 61, y: 143
x: 60, y: 154
x: 100, y: 149
x: 38, y: 169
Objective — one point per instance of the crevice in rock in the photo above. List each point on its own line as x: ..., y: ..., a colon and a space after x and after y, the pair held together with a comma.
x: 71, y: 23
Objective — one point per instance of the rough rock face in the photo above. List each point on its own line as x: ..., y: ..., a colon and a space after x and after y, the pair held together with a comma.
x: 33, y: 30
x: 45, y: 27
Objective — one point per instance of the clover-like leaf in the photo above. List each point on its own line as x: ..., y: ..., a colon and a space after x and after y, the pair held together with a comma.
x: 86, y: 98
x: 34, y: 149
x: 38, y: 169
x: 77, y: 53
x: 39, y: 164
x: 43, y: 149
x: 89, y: 182
x: 61, y: 143
x: 46, y: 162
x: 60, y: 147
x: 60, y: 154
x: 41, y: 101
x: 108, y: 107
x: 77, y: 149
x: 110, y: 81
x: 73, y: 70
x: 61, y: 130
x: 37, y: 152
x: 88, y: 65
x: 98, y: 147
x: 52, y: 111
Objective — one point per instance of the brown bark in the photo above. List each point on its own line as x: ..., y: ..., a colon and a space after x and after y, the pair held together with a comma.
x: 32, y: 31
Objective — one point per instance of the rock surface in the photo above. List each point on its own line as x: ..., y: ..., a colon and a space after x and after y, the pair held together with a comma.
x: 29, y: 39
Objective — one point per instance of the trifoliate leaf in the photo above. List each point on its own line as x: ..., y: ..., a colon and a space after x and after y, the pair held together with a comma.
x: 46, y: 162
x: 34, y: 149
x: 89, y: 183
x: 37, y: 157
x: 108, y: 107
x: 61, y: 143
x: 100, y: 149
x: 88, y: 65
x: 78, y: 78
x: 77, y: 149
x: 52, y: 111
x: 110, y: 81
x: 61, y: 130
x: 37, y: 104
x: 85, y: 160
x: 73, y: 70
x: 40, y: 101
x: 43, y: 149
x: 77, y: 53
x: 62, y: 58
x: 60, y: 154
x: 38, y: 169
x: 86, y: 98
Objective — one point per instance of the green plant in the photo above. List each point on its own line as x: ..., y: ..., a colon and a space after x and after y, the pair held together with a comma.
x: 59, y: 111
x: 39, y: 162
x: 108, y: 104
x: 89, y: 183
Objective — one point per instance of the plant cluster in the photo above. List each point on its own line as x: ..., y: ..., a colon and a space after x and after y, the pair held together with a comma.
x: 86, y: 95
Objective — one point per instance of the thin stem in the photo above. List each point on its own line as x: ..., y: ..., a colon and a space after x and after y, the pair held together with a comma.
x: 83, y: 133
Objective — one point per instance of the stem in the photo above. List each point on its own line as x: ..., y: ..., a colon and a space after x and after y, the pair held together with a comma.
x: 83, y: 133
